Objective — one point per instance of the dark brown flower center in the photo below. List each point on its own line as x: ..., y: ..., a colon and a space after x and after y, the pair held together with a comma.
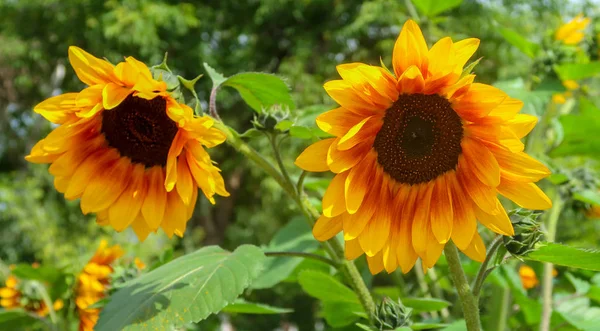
x: 140, y: 129
x: 420, y: 138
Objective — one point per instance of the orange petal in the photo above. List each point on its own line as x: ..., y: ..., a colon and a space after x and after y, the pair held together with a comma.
x: 476, y: 249
x: 57, y: 109
x: 90, y: 69
x: 314, y: 157
x: 441, y: 210
x: 357, y: 183
x: 526, y: 195
x: 153, y: 207
x: 422, y: 219
x: 333, y: 200
x: 352, y: 249
x: 338, y: 121
x: 499, y: 222
x: 410, y: 49
x: 326, y: 228
x: 465, y: 223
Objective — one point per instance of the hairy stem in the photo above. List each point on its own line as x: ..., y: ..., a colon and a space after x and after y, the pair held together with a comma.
x: 467, y: 300
x: 483, y: 270
x: 332, y: 247
x: 548, y: 267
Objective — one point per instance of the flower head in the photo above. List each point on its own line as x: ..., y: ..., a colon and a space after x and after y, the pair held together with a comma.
x: 12, y: 297
x: 420, y: 156
x: 571, y: 33
x: 132, y: 153
x: 93, y: 283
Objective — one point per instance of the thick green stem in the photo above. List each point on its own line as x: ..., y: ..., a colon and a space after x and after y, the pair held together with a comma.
x: 483, y: 270
x: 467, y: 300
x: 548, y: 267
x: 332, y: 247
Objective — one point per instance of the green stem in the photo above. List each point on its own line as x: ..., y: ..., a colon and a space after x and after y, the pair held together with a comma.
x: 332, y: 247
x: 467, y: 300
x: 275, y: 147
x: 412, y: 10
x: 483, y: 270
x: 548, y: 267
x: 300, y: 184
x: 498, y: 309
x: 305, y: 255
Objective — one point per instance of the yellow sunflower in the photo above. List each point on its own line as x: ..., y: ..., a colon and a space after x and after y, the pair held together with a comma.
x: 93, y: 282
x: 11, y: 297
x: 130, y: 151
x: 571, y: 33
x: 420, y: 156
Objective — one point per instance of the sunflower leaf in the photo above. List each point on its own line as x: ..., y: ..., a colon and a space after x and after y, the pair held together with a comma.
x: 514, y: 38
x: 576, y: 71
x: 186, y: 290
x: 588, y: 196
x: 216, y: 77
x: 432, y: 8
x: 579, y: 130
x: 566, y: 256
x: 261, y: 91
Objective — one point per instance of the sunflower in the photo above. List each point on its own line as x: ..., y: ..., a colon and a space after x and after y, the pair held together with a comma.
x: 132, y: 153
x: 419, y: 156
x: 11, y: 297
x: 93, y: 282
x: 571, y: 33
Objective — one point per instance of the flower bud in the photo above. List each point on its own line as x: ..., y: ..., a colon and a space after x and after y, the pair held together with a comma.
x: 527, y: 232
x: 390, y: 315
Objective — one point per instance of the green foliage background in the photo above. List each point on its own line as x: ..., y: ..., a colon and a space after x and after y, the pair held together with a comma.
x: 299, y: 40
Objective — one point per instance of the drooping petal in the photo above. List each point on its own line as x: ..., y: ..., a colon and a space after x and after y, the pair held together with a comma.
x: 153, y: 207
x: 58, y: 109
x: 90, y: 69
x: 314, y: 157
x: 325, y: 228
x: 441, y: 211
x: 476, y: 249
x: 526, y: 195
x: 338, y: 121
x: 358, y: 183
x: 333, y: 200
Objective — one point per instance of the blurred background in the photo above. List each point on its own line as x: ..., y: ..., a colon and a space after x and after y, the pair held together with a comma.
x: 299, y: 40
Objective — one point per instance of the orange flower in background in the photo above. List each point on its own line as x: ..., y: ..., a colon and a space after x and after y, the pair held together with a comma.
x: 561, y: 98
x: 130, y: 151
x: 93, y: 282
x: 593, y: 212
x: 528, y: 277
x: 571, y: 33
x: 11, y: 297
x: 419, y: 157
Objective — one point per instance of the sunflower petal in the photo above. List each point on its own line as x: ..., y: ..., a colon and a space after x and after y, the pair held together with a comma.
x: 410, y: 49
x: 314, y: 157
x: 326, y: 228
x: 90, y: 69
x: 333, y: 200
x: 526, y: 195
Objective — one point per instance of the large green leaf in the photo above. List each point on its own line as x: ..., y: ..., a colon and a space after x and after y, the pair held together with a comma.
x: 19, y: 320
x: 187, y: 289
x: 588, y: 196
x: 425, y: 304
x: 241, y: 306
x: 576, y: 71
x: 340, y: 304
x: 567, y: 256
x: 325, y: 287
x: 431, y: 8
x: 261, y: 91
x: 520, y: 42
x: 579, y: 132
x: 296, y: 236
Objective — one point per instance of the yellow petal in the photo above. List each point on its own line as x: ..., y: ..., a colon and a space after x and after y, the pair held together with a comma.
x: 333, y: 200
x: 352, y: 249
x: 465, y: 223
x: 357, y: 183
x: 113, y: 95
x: 365, y: 129
x: 104, y: 188
x: 325, y: 228
x: 499, y: 222
x: 411, y: 81
x: 481, y: 162
x: 90, y: 69
x: 343, y: 160
x: 522, y: 124
x: 185, y: 183
x: 421, y: 222
x: 375, y: 263
x: 153, y: 207
x: 441, y: 211
x: 526, y: 195
x: 338, y: 121
x: 464, y: 49
x: 175, y: 217
x: 376, y: 233
x: 314, y: 157
x: 410, y: 49
x: 125, y: 210
x: 140, y: 227
x: 476, y: 249
x: 57, y: 109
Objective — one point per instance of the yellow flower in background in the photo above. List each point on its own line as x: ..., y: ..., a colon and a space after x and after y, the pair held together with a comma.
x: 571, y: 33
x: 528, y: 277
x: 12, y: 298
x: 93, y: 282
x: 132, y: 153
x: 561, y: 98
x: 593, y: 212
x: 419, y: 157
x: 139, y: 264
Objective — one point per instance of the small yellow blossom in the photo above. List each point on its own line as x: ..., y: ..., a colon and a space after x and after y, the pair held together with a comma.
x: 571, y: 33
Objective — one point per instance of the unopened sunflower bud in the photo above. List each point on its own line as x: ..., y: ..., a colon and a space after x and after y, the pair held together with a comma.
x: 270, y: 118
x: 390, y: 315
x: 527, y: 232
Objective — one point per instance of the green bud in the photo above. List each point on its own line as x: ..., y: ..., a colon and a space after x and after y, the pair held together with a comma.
x: 527, y: 232
x: 270, y: 119
x: 390, y: 315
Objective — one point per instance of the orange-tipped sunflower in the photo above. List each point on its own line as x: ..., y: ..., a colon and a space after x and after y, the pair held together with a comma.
x: 93, y: 282
x: 420, y: 156
x: 571, y: 33
x: 130, y: 151
x: 11, y: 297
